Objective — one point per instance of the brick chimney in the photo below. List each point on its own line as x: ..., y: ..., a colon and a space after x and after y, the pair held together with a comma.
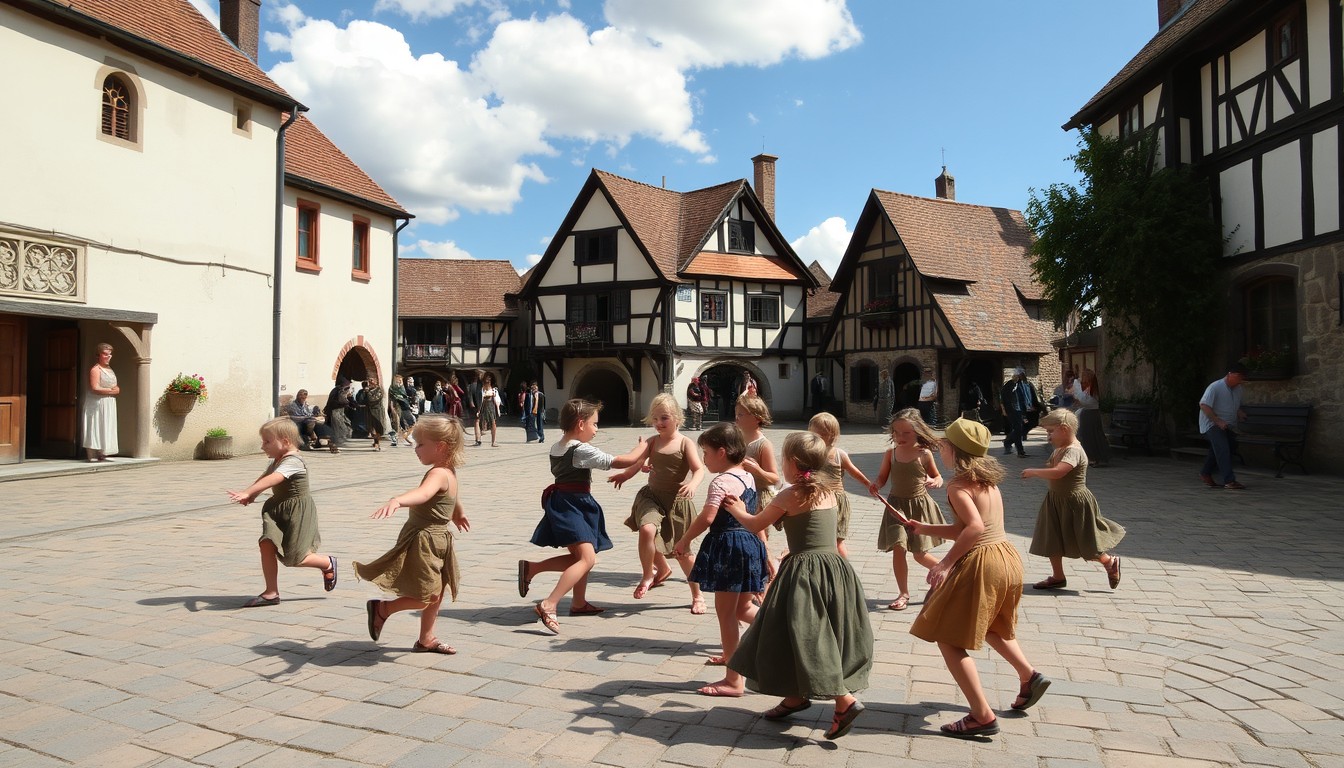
x: 765, y: 181
x: 240, y: 21
x: 945, y: 186
x: 1167, y: 10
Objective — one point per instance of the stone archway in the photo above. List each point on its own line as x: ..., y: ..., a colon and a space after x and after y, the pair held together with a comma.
x: 607, y: 385
x: 724, y: 378
x: 357, y: 357
x: 905, y: 376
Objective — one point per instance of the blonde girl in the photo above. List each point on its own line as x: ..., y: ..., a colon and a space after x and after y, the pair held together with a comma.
x: 825, y: 426
x: 663, y: 509
x: 573, y: 519
x: 909, y: 463
x: 422, y: 565
x: 811, y: 637
x: 1069, y: 523
x: 289, y: 517
x: 732, y: 560
x: 974, y: 590
x: 751, y: 416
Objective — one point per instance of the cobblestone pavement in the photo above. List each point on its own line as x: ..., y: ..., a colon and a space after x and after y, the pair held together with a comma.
x: 124, y: 644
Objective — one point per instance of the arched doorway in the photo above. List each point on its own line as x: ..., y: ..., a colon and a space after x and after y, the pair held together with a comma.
x: 604, y: 385
x: 907, y: 381
x: 725, y: 384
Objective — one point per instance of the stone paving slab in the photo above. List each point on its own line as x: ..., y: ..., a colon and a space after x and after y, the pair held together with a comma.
x: 125, y: 645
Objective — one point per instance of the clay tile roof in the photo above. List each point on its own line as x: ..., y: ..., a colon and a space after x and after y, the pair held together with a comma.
x: 654, y: 214
x: 310, y: 155
x: 711, y: 264
x: 821, y: 302
x: 177, y: 26
x: 700, y: 210
x: 1167, y: 41
x: 975, y: 259
x: 465, y: 288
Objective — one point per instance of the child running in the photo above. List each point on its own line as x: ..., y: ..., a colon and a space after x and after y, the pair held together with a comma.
x: 974, y: 590
x: 663, y: 509
x: 572, y: 517
x: 732, y: 560
x: 289, y: 517
x: 1069, y: 523
x: 909, y: 464
x: 811, y: 638
x: 422, y: 564
x: 825, y: 426
x: 751, y: 415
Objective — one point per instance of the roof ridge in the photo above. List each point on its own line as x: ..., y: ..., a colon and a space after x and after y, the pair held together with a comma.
x: 945, y: 200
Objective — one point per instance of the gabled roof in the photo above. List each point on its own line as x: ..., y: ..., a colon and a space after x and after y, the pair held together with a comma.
x: 311, y: 157
x: 171, y: 32
x: 670, y: 228
x: 821, y: 302
x: 1187, y: 25
x: 975, y: 260
x: 457, y: 288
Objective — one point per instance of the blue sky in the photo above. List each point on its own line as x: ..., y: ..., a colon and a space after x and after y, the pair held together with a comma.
x: 484, y: 117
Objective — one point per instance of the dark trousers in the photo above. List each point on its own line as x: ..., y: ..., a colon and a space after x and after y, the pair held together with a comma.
x: 926, y: 412
x: 1013, y: 430
x: 1222, y: 446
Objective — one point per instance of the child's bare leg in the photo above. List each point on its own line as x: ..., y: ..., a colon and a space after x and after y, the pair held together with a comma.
x: 315, y: 560
x: 967, y: 677
x: 746, y: 609
x: 428, y: 617
x: 1105, y: 559
x: 727, y: 607
x: 1057, y: 568
x: 1011, y: 653
x: 579, y: 597
x: 926, y: 559
x: 661, y: 570
x: 270, y: 568
x: 901, y: 569
x: 647, y: 551
x: 687, y: 563
x: 584, y: 558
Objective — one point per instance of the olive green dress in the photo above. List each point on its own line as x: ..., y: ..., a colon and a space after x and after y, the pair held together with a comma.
x: 422, y: 561
x: 811, y: 637
x: 980, y: 594
x: 289, y: 516
x: 911, y: 497
x: 834, y: 475
x: 657, y: 504
x: 1069, y: 523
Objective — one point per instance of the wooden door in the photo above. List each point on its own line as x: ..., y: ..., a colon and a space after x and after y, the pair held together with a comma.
x: 60, y: 392
x: 13, y: 353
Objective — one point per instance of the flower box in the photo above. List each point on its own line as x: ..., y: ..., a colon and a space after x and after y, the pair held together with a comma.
x: 880, y: 320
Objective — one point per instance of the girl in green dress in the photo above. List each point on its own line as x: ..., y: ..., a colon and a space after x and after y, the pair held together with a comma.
x: 811, y: 637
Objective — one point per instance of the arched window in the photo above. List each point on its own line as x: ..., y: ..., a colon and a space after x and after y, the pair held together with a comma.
x: 1270, y: 315
x: 117, y: 108
x: 862, y: 381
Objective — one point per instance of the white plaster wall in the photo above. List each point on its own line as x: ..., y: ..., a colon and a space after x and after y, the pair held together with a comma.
x: 1325, y: 179
x: 1282, y: 178
x: 1248, y: 59
x: 1293, y: 74
x: 1206, y: 88
x: 194, y: 191
x: 1238, y: 208
x: 1318, y: 51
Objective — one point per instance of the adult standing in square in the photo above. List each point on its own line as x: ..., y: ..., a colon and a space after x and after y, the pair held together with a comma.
x: 928, y: 397
x: 1219, y: 413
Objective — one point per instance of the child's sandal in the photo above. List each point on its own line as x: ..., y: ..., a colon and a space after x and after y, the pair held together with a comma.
x: 1031, y: 691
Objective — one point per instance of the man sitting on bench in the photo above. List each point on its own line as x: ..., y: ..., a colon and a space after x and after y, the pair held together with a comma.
x: 1219, y: 412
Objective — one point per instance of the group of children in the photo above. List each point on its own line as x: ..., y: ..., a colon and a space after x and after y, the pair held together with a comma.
x: 810, y: 637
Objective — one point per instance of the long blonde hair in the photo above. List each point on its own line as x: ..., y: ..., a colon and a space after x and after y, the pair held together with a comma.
x: 438, y: 428
x: 755, y: 406
x: 810, y: 454
x: 980, y: 470
x: 668, y: 403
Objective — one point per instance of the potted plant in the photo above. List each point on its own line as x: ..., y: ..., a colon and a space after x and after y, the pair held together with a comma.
x: 184, y: 392
x: 880, y: 313
x: 1270, y: 363
x: 218, y: 444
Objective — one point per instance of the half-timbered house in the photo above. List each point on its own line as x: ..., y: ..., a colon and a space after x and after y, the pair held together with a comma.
x: 456, y: 315
x: 930, y: 282
x: 643, y: 288
x: 1251, y: 94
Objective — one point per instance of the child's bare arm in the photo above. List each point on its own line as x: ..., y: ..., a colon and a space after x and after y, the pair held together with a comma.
x: 687, y: 488
x: 264, y: 482
x: 934, y: 480
x: 968, y: 528
x: 762, y: 520
x: 460, y: 513
x: 1049, y: 473
x: 853, y: 471
x: 699, y: 525
x: 633, y: 458
x: 883, y: 473
x: 764, y: 468
x: 436, y: 480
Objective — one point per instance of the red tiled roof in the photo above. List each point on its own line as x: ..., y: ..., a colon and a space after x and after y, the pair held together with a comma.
x: 821, y: 302
x: 177, y: 26
x: 977, y: 263
x: 310, y: 155
x: 1167, y: 40
x: 467, y: 288
x: 711, y: 264
x: 654, y: 214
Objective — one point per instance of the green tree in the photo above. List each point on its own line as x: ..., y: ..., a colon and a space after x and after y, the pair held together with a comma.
x: 1134, y: 246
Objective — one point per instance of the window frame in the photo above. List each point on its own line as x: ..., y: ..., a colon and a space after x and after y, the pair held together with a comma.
x: 1255, y: 337
x: 313, y: 261
x: 774, y: 299
x: 722, y: 301
x: 471, y: 333
x: 745, y: 234
x: 882, y: 274
x: 359, y: 244
x: 1131, y: 120
x: 1290, y: 20
x: 863, y: 377
x: 605, y: 246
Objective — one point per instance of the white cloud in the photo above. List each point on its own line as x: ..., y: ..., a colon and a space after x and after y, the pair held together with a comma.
x: 752, y: 118
x: 209, y: 9
x: 446, y: 249
x: 422, y: 9
x: 824, y: 243
x: 797, y: 102
x: 533, y: 259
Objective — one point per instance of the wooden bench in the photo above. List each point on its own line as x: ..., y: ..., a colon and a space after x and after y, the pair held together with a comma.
x: 1280, y: 426
x: 1131, y: 425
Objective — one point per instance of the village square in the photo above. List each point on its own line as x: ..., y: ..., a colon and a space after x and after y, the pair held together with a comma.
x: 150, y: 322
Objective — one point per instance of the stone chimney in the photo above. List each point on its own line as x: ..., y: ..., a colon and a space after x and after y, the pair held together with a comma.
x: 945, y: 186
x: 765, y: 181
x: 240, y: 21
x: 1167, y: 10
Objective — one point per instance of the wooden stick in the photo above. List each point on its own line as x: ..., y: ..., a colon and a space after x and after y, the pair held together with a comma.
x: 902, y: 518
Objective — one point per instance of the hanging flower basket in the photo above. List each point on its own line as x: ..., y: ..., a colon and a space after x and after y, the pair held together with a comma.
x: 180, y: 403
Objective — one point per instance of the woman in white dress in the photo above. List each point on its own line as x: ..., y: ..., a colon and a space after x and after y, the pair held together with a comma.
x: 490, y: 403
x: 100, y: 407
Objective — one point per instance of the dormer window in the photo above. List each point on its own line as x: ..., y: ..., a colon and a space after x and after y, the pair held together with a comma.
x: 741, y: 236
x: 595, y: 247
x: 117, y: 109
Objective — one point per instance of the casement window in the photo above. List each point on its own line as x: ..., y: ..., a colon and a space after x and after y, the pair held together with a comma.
x: 1269, y: 311
x: 741, y: 236
x: 306, y: 249
x: 881, y: 279
x: 118, y: 109
x: 595, y: 247
x: 862, y: 382
x: 471, y: 333
x: 590, y: 316
x: 1283, y: 37
x: 1131, y: 121
x: 763, y: 310
x: 425, y: 332
x: 359, y: 249
x: 713, y: 308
